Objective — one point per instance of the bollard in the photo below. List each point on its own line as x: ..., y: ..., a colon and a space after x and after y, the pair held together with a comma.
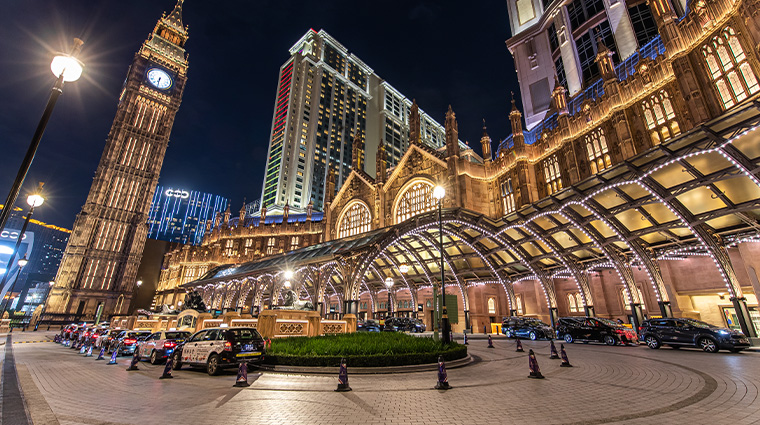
x: 113, y: 356
x: 242, y: 376
x: 135, y: 360
x: 89, y: 351
x: 451, y: 336
x: 535, y: 372
x: 465, y: 340
x: 443, y: 379
x: 553, y: 350
x: 168, y: 369
x: 485, y: 329
x: 563, y: 354
x: 101, y: 354
x: 519, y: 348
x: 490, y: 342
x: 343, y: 377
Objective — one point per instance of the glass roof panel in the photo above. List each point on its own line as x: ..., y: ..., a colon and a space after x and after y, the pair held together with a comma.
x: 709, y: 163
x: 672, y: 175
x: 602, y: 229
x: 632, y: 220
x: 660, y: 212
x: 700, y: 200
x: 739, y: 190
x: 609, y: 199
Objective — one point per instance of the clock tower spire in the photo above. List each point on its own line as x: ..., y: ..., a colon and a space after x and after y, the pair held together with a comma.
x: 98, y: 271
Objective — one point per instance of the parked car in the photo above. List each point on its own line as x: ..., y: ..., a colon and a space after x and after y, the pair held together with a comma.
x: 158, y: 346
x: 125, y: 342
x: 404, y: 324
x: 526, y: 327
x: 219, y: 348
x: 594, y: 329
x: 368, y: 325
x: 107, y: 338
x: 691, y: 333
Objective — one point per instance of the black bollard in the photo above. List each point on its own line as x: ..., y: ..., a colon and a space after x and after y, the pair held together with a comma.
x: 465, y: 339
x: 135, y: 360
x: 519, y: 348
x: 242, y: 376
x: 168, y: 369
x: 443, y: 379
x: 102, y: 354
x: 343, y: 377
x: 535, y: 372
x: 490, y: 342
x: 485, y: 329
x: 553, y: 350
x: 563, y: 354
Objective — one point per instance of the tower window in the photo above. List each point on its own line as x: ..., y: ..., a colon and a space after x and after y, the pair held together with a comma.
x: 552, y: 175
x: 729, y: 68
x: 660, y: 117
x: 596, y: 148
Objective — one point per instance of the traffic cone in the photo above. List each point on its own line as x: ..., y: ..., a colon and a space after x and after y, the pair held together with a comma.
x: 343, y: 377
x: 553, y: 350
x: 242, y: 376
x: 490, y: 342
x: 168, y: 368
x: 82, y: 349
x: 113, y: 357
x: 465, y: 340
x: 563, y: 354
x: 443, y: 379
x: 519, y: 348
x: 535, y: 372
x: 101, y: 354
x: 89, y: 351
x: 135, y: 360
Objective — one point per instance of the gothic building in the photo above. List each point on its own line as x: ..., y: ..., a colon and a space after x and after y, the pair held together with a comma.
x: 99, y: 268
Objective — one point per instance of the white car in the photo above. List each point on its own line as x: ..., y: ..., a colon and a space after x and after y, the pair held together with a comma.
x: 219, y: 348
x: 158, y: 346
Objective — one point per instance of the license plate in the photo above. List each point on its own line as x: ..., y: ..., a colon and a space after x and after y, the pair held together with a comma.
x: 248, y: 347
x: 247, y: 354
x: 169, y: 351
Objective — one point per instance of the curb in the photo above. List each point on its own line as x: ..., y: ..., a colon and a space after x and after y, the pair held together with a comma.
x: 367, y: 370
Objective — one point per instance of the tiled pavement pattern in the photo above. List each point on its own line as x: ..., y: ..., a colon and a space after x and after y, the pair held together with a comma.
x: 607, y: 384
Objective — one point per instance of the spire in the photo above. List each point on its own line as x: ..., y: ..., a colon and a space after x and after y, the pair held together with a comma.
x: 485, y: 143
x: 452, y: 133
x: 414, y: 124
x: 381, y: 162
x: 515, y: 118
x: 285, y: 213
x: 227, y: 214
x: 357, y: 151
x: 604, y: 61
x: 175, y: 18
x: 242, y: 214
x: 330, y: 186
x: 169, y: 37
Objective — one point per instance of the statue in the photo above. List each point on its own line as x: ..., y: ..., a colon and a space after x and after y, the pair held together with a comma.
x: 193, y: 300
x: 293, y: 303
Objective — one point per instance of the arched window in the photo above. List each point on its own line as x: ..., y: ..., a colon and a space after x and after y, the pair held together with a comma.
x: 354, y: 220
x: 492, y: 305
x: 729, y: 68
x: 574, y: 302
x: 416, y: 199
x: 598, y: 153
x: 660, y: 117
x: 626, y: 299
x: 552, y: 175
x: 519, y: 306
x: 508, y: 196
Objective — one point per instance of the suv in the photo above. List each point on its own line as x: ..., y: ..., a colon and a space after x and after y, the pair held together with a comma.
x: 126, y: 341
x: 594, y: 329
x: 526, y: 327
x: 218, y: 348
x: 692, y: 333
x: 160, y: 345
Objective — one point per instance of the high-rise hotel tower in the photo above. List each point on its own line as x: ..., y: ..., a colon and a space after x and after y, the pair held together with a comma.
x: 99, y: 268
x: 325, y: 98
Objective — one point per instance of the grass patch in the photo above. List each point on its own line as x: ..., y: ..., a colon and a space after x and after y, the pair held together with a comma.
x: 361, y: 349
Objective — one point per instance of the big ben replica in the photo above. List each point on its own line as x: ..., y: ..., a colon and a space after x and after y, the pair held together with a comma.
x: 98, y: 272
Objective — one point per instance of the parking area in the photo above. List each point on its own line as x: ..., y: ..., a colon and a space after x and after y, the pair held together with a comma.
x: 606, y: 384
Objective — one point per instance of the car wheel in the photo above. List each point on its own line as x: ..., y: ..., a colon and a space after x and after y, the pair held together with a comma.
x: 212, y: 365
x: 568, y: 338
x: 176, y: 361
x: 652, y: 342
x: 532, y: 335
x: 154, y: 357
x: 708, y: 345
x: 610, y: 340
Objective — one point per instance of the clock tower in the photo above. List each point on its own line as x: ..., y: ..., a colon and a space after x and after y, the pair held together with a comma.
x: 98, y: 272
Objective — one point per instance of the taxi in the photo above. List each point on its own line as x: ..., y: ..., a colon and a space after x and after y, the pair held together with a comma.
x: 218, y: 348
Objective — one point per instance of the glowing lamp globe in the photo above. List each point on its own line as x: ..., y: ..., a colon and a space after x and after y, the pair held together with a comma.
x: 35, y: 200
x: 389, y: 282
x: 69, y: 66
x: 439, y: 192
x: 23, y: 262
x: 404, y: 268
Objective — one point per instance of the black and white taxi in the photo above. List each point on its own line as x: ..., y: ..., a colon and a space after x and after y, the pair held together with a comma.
x: 219, y: 348
x: 160, y: 345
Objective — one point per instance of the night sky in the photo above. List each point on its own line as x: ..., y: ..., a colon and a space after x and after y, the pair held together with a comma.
x: 439, y: 52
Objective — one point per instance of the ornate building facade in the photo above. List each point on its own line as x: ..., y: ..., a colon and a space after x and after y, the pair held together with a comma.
x: 99, y: 268
x: 638, y: 196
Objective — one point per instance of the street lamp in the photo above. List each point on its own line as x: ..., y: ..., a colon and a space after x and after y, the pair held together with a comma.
x: 389, y: 285
x: 66, y: 68
x: 404, y: 268
x: 439, y: 193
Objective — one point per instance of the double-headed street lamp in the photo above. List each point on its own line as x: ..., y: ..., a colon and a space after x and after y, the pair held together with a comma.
x: 67, y: 68
x: 389, y: 285
x: 439, y: 193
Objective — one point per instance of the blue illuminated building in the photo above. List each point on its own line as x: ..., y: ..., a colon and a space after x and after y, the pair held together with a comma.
x: 178, y: 215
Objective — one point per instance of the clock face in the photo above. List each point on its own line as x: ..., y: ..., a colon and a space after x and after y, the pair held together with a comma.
x: 159, y: 78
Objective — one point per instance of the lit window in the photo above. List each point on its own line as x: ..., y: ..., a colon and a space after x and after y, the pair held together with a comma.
x: 294, y: 243
x: 598, y: 154
x: 417, y: 199
x: 575, y: 302
x: 508, y: 196
x: 491, y: 306
x: 660, y: 117
x: 552, y: 175
x: 729, y: 68
x: 270, y: 246
x: 626, y: 299
x: 518, y: 306
x: 355, y: 220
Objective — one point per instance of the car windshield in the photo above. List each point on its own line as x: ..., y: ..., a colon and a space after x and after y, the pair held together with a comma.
x: 535, y: 322
x: 243, y: 334
x: 177, y: 335
x: 608, y: 322
x: 699, y: 324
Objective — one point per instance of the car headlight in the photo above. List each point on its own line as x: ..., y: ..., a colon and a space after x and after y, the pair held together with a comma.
x: 722, y: 332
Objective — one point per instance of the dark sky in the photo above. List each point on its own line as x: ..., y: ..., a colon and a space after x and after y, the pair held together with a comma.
x: 439, y: 52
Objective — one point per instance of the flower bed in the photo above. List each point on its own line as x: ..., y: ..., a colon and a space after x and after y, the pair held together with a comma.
x: 361, y: 349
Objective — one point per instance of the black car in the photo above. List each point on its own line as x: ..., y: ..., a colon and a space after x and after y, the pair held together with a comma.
x: 219, y: 348
x: 594, y: 329
x: 526, y: 327
x: 404, y: 324
x: 691, y: 333
x: 368, y: 325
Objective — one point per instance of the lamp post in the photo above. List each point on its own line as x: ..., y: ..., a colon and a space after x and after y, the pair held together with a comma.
x: 389, y: 285
x: 66, y: 68
x: 34, y: 201
x: 404, y: 269
x: 439, y: 193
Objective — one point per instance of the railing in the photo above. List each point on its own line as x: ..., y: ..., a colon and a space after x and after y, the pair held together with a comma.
x: 651, y: 50
x: 594, y: 91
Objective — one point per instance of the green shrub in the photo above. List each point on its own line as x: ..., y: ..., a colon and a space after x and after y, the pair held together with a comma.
x: 361, y: 349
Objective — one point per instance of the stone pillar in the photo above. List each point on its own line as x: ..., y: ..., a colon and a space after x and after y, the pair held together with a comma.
x: 267, y: 323
x: 314, y: 322
x: 350, y: 319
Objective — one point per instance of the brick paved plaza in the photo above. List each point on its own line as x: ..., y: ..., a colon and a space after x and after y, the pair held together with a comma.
x: 607, y: 384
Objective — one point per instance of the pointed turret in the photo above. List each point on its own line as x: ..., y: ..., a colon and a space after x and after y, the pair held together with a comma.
x: 559, y: 97
x: 227, y: 215
x: 285, y: 213
x: 357, y: 151
x: 604, y: 61
x: 309, y: 210
x: 330, y: 186
x: 263, y: 215
x: 381, y: 163
x: 452, y: 133
x: 414, y: 124
x: 515, y: 118
x: 169, y: 37
x: 242, y: 214
x: 217, y: 219
x: 485, y: 143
